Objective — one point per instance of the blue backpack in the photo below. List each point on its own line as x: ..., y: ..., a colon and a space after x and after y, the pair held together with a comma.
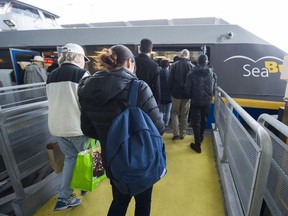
x: 135, y: 150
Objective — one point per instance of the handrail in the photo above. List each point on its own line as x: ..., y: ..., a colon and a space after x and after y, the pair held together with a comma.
x: 7, y: 88
x: 249, y: 120
x: 17, y: 95
x: 276, y: 193
x: 23, y: 108
x: 263, y: 141
x: 281, y: 127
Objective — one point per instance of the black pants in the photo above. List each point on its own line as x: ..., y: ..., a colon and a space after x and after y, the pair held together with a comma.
x: 199, y: 115
x: 121, y: 201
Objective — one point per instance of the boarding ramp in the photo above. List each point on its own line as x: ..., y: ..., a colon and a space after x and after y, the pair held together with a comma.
x: 243, y: 152
x: 22, y: 94
x: 276, y: 196
x: 26, y: 178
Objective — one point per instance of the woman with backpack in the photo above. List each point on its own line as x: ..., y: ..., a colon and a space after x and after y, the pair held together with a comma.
x: 102, y: 98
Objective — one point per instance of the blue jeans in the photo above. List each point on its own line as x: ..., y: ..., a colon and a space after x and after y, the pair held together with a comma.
x: 70, y: 146
x: 165, y: 109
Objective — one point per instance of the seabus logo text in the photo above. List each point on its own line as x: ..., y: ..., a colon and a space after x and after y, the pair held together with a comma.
x: 261, y: 67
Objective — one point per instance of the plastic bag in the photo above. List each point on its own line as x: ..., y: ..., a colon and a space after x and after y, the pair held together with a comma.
x: 88, y: 171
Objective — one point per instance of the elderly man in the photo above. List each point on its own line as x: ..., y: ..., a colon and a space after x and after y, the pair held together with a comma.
x: 64, y: 115
x: 35, y: 72
x: 180, y: 101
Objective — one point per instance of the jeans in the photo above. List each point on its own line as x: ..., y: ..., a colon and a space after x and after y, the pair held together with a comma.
x: 165, y: 109
x: 70, y: 146
x: 121, y: 201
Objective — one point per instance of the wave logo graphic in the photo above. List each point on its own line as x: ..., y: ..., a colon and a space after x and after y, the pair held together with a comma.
x: 269, y: 64
x: 255, y: 61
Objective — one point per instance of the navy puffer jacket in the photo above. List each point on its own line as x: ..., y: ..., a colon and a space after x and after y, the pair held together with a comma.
x: 104, y: 96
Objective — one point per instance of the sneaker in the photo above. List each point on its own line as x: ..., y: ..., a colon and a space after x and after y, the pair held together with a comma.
x: 62, y: 203
x: 195, y: 147
x: 182, y: 136
x: 175, y: 137
x: 83, y: 193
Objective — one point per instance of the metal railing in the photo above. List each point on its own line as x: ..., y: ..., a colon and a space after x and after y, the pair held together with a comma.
x: 22, y: 94
x: 25, y: 168
x: 276, y: 195
x: 244, y: 154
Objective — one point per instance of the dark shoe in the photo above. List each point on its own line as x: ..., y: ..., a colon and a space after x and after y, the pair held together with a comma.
x: 62, y: 203
x: 175, y: 137
x: 182, y: 137
x: 83, y: 193
x: 195, y: 147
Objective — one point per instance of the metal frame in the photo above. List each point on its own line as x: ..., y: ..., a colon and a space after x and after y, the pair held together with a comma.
x: 226, y: 169
x: 25, y: 199
x: 277, y: 186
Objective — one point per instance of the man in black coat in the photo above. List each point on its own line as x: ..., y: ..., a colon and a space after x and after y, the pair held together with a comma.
x: 147, y: 69
x: 200, y: 85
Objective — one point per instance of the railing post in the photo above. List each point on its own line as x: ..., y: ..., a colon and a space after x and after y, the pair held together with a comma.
x: 216, y: 107
x: 226, y: 134
x: 264, y: 141
x: 11, y: 164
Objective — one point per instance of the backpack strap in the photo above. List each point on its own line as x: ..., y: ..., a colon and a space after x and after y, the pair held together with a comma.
x: 133, y: 95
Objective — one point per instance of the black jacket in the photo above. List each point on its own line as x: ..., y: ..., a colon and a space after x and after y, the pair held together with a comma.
x: 104, y: 95
x: 149, y: 71
x: 177, y: 77
x: 200, y: 85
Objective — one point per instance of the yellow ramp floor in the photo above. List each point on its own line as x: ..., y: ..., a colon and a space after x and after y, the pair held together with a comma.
x: 191, y: 186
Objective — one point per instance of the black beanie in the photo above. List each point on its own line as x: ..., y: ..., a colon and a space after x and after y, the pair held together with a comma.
x: 202, y: 59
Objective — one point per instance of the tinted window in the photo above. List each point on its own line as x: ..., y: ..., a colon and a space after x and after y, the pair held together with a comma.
x: 5, y: 60
x: 21, y: 9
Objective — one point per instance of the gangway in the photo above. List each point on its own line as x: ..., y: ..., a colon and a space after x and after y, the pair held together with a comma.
x: 242, y: 150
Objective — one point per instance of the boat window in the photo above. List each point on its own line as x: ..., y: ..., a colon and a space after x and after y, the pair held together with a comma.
x: 2, y: 7
x: 157, y: 55
x: 24, y: 10
x: 170, y: 51
x: 5, y: 59
x: 49, y: 18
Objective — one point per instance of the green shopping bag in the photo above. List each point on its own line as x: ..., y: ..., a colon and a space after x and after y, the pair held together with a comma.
x: 88, y: 171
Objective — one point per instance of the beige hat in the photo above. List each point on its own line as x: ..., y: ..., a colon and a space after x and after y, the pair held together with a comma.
x: 38, y: 59
x: 75, y: 48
